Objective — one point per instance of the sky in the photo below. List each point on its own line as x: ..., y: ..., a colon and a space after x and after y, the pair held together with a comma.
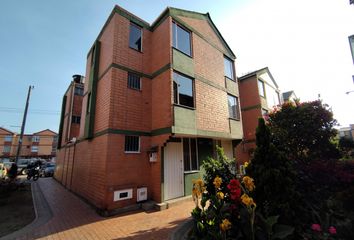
x: 304, y: 43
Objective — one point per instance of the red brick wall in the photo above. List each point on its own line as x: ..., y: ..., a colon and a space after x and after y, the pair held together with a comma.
x: 249, y: 95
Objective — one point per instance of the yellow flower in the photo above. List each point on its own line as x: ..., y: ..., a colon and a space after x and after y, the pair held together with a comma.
x: 198, y: 189
x: 225, y: 225
x: 217, y: 182
x: 248, y: 201
x: 245, y: 164
x: 248, y: 183
x: 220, y: 195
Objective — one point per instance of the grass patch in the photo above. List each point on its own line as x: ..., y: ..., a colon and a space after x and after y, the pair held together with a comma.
x: 16, y: 209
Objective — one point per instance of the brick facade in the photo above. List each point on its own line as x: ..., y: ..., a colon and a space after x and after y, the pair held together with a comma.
x: 96, y: 166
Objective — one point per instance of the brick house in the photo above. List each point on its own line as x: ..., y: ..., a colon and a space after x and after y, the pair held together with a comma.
x: 71, y: 111
x: 157, y: 100
x: 259, y: 93
x: 41, y: 144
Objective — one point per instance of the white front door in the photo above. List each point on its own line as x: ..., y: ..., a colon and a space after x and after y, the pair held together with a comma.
x: 173, y: 171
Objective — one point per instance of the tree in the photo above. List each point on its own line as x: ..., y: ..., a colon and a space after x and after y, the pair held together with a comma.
x: 303, y: 131
x: 273, y: 175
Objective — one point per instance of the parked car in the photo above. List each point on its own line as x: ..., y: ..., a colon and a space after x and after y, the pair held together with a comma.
x: 22, y: 166
x: 47, y: 170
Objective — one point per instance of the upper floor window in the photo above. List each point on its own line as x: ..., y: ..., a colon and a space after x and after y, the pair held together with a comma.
x: 34, y: 149
x: 261, y: 88
x: 132, y: 144
x: 6, y: 149
x: 181, y: 39
x: 234, y: 111
x: 183, y: 90
x: 35, y: 139
x: 8, y: 138
x: 76, y: 119
x: 134, y: 81
x: 229, y: 68
x: 135, y: 37
x: 79, y: 91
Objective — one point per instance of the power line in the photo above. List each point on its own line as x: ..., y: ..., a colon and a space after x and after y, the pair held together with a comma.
x: 33, y: 111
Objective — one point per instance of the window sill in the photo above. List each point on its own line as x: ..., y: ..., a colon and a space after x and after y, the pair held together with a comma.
x: 135, y: 49
x: 191, y: 171
x: 182, y: 52
x: 182, y: 106
x: 235, y: 119
x: 131, y: 152
x: 135, y: 89
x: 226, y: 77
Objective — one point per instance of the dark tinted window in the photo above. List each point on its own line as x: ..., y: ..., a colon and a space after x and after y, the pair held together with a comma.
x: 183, y: 90
x: 76, y: 119
x: 132, y: 144
x: 181, y: 39
x: 79, y: 91
x: 133, y: 81
x: 233, y: 107
x: 229, y: 68
x: 190, y: 154
x: 135, y: 40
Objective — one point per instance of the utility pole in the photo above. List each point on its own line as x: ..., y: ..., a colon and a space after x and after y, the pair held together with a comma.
x: 23, y: 124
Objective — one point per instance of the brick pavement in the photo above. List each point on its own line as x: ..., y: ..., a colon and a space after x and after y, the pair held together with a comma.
x: 74, y: 219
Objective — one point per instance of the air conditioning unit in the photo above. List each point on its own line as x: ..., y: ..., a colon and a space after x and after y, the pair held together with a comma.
x: 141, y: 194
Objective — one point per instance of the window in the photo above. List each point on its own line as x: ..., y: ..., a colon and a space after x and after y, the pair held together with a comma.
x: 135, y: 39
x: 79, y: 91
x: 183, y: 90
x: 261, y: 88
x: 134, y: 81
x: 190, y: 156
x: 229, y: 68
x: 75, y: 119
x: 8, y: 138
x: 35, y: 139
x: 34, y: 149
x: 181, y: 39
x: 234, y: 111
x: 6, y: 149
x: 132, y: 144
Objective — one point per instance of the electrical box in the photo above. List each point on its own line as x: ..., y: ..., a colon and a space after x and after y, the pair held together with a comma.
x: 153, y: 156
x: 123, y: 194
x: 141, y: 194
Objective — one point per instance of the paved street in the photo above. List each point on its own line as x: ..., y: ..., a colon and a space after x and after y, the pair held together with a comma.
x: 71, y: 218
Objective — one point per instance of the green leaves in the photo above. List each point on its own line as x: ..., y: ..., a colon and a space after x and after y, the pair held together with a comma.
x: 282, y: 231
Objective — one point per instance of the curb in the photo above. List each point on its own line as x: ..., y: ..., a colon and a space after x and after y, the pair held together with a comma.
x: 41, y: 209
x: 181, y: 233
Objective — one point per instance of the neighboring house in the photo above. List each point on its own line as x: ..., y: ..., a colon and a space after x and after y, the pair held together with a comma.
x: 347, y: 132
x: 289, y: 96
x: 259, y: 93
x: 157, y: 100
x: 6, y: 142
x: 37, y: 145
x: 71, y: 111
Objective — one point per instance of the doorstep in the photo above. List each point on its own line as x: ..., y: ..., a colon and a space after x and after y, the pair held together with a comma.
x: 173, y: 202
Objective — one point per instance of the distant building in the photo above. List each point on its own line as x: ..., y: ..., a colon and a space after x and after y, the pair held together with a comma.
x: 71, y: 111
x: 41, y: 144
x: 259, y: 93
x: 289, y: 96
x: 347, y: 132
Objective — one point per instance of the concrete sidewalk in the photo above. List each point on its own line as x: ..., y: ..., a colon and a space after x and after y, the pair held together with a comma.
x: 62, y: 215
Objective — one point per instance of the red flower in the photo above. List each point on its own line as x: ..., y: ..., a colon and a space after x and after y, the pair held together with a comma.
x: 235, y: 190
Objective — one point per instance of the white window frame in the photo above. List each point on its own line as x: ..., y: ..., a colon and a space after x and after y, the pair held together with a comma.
x: 6, y: 147
x: 36, y: 138
x: 7, y: 137
x: 125, y: 138
x: 36, y: 148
